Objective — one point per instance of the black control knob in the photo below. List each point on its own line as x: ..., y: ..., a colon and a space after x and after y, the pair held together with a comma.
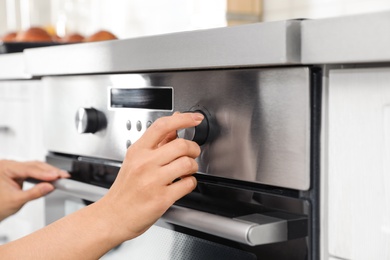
x: 199, y: 133
x: 89, y: 120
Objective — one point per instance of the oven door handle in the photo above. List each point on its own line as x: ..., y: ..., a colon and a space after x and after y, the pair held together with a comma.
x: 255, y: 229
x: 79, y: 189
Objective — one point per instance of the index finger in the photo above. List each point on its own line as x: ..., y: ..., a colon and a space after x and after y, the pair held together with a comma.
x: 158, y: 131
x: 37, y: 170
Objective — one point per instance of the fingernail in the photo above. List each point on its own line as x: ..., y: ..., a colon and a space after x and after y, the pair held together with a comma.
x: 45, y: 189
x: 65, y: 174
x: 197, y: 116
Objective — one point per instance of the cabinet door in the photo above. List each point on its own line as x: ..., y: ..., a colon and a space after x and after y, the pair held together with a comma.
x: 21, y: 109
x: 359, y: 163
x: 29, y: 219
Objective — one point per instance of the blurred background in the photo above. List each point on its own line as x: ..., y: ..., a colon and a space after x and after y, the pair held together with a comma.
x: 133, y: 18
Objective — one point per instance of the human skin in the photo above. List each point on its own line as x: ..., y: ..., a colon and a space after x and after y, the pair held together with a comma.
x: 142, y: 192
x: 12, y: 175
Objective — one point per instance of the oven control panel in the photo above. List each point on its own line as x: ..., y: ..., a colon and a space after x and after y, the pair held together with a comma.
x: 200, y: 133
x: 256, y: 127
x: 89, y: 120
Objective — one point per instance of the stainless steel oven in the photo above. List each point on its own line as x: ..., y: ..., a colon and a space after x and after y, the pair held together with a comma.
x: 257, y: 193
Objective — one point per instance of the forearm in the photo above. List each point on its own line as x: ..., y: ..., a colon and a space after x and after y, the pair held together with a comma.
x: 85, y: 234
x: 143, y: 190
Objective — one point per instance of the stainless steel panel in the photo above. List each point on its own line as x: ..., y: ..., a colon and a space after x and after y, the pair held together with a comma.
x: 80, y: 190
x: 262, y: 119
x: 269, y: 43
x: 165, y: 241
x: 164, y: 244
x: 255, y: 229
x: 356, y: 38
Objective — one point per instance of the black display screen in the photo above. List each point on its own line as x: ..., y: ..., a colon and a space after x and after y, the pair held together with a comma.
x: 144, y: 98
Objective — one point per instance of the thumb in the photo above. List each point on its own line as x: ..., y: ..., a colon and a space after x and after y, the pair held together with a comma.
x: 39, y: 190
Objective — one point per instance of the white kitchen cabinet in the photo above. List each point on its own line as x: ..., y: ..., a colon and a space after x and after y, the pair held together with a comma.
x: 21, y: 109
x: 21, y: 138
x: 359, y: 163
x: 29, y: 219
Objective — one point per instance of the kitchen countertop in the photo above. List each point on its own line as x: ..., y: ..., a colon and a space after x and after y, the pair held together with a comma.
x: 259, y: 44
x: 350, y: 39
x: 340, y: 40
x: 12, y: 66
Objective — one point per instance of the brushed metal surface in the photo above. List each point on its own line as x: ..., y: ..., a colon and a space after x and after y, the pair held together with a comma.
x: 261, y: 119
x: 164, y: 244
x: 265, y: 229
x: 270, y: 43
x: 356, y: 38
x: 80, y: 190
x: 255, y: 229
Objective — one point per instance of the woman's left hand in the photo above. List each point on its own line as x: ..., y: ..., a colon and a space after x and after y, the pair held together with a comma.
x: 12, y: 176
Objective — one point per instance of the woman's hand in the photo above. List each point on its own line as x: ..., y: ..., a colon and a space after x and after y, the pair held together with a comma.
x: 12, y: 176
x: 156, y: 172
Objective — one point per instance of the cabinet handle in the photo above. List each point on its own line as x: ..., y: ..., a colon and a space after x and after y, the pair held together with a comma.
x: 4, y: 239
x: 4, y: 129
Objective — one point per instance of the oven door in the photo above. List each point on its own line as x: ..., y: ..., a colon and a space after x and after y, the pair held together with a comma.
x: 219, y: 220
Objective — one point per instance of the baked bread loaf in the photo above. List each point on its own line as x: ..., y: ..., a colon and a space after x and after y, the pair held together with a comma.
x: 100, y: 36
x: 72, y: 38
x: 9, y: 37
x: 34, y: 34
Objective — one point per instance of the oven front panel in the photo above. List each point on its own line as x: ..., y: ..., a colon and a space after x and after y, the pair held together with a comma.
x: 259, y: 119
x: 174, y: 241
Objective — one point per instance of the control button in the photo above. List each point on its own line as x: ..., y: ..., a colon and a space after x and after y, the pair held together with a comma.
x: 148, y: 124
x: 128, y: 125
x: 199, y: 133
x: 128, y: 143
x: 89, y: 120
x: 139, y: 126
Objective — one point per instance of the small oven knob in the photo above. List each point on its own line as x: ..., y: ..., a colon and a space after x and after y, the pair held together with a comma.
x: 199, y: 133
x: 88, y: 120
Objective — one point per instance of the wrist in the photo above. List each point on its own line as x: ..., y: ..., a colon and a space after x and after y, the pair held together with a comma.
x: 109, y: 222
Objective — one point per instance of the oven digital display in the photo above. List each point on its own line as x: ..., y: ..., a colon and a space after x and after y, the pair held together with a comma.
x: 143, y: 98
